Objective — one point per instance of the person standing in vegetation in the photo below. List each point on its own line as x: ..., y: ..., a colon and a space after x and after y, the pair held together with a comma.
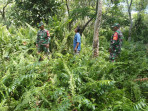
x: 77, y: 41
x: 43, y: 39
x: 116, y: 42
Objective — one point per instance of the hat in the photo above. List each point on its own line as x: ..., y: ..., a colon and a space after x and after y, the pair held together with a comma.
x: 116, y: 25
x: 40, y: 24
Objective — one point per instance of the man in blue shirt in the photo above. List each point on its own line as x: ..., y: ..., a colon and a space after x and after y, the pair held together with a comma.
x: 77, y: 41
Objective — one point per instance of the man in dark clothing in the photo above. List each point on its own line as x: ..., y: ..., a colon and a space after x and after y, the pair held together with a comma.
x: 116, y: 42
x: 43, y: 40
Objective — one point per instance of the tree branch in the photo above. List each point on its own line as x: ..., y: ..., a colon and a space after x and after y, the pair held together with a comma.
x: 86, y: 25
x: 89, y: 19
x: 131, y: 3
x: 97, y: 7
x: 141, y: 79
x: 6, y: 5
x: 3, y: 10
x: 67, y: 7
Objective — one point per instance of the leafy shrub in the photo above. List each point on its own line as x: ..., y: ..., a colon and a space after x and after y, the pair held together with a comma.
x: 67, y: 82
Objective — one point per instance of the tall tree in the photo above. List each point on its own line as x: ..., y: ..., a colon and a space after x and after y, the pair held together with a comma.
x: 68, y: 10
x: 96, y: 29
x: 130, y: 17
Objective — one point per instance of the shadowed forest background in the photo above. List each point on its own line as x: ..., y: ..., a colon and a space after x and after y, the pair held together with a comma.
x: 67, y: 82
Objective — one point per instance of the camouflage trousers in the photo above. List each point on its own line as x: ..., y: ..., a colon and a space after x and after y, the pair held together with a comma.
x: 113, y: 56
x: 43, y: 48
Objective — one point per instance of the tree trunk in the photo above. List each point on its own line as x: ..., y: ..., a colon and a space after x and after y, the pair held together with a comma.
x: 67, y: 5
x: 130, y: 29
x: 130, y: 18
x: 96, y: 29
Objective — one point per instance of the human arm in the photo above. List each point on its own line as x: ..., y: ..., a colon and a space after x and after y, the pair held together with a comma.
x: 48, y: 38
x: 121, y: 39
x: 77, y: 46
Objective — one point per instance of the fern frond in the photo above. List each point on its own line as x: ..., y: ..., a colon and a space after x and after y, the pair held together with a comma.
x: 71, y: 81
x: 140, y: 105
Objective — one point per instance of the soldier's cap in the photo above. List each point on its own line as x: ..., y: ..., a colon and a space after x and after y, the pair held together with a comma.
x: 116, y: 25
x: 40, y: 24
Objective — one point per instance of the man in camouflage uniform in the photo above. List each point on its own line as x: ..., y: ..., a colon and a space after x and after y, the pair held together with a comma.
x: 43, y: 39
x: 116, y: 42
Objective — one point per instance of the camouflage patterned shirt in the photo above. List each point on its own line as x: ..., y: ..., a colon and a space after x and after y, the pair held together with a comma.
x: 43, y: 37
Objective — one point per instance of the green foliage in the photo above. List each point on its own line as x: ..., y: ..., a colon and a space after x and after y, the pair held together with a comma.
x: 81, y: 12
x: 67, y: 82
x: 33, y: 11
x: 140, y: 28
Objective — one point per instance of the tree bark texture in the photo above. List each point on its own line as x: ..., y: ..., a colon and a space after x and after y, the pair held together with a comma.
x: 96, y: 30
x: 130, y: 18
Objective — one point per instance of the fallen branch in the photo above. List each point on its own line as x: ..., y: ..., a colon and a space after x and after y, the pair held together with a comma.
x: 141, y: 79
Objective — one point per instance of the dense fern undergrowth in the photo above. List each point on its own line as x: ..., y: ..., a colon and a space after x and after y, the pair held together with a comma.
x: 67, y: 82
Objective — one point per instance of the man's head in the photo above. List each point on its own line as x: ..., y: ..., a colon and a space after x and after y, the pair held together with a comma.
x: 41, y: 25
x: 77, y: 29
x: 115, y: 27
